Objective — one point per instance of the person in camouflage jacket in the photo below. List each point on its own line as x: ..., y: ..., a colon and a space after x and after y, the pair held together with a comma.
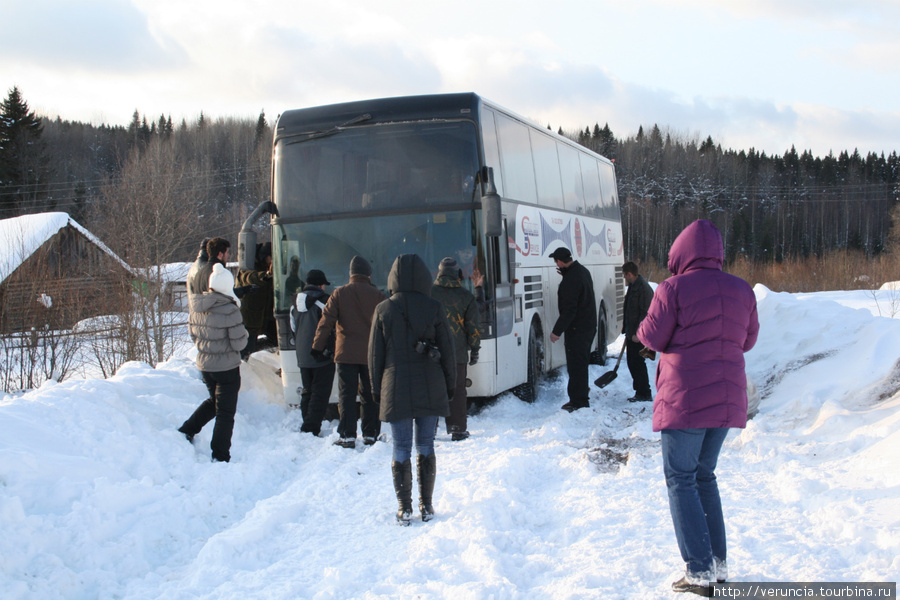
x: 465, y: 325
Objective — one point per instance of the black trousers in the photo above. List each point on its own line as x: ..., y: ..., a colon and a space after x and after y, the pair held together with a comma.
x: 250, y: 348
x: 459, y: 402
x: 223, y: 387
x: 637, y: 367
x: 317, y: 383
x: 354, y: 380
x: 578, y: 357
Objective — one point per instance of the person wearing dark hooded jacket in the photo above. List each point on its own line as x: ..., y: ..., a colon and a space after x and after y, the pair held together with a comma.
x: 464, y: 320
x: 412, y: 363
x: 218, y: 330
x: 701, y: 321
x: 317, y: 375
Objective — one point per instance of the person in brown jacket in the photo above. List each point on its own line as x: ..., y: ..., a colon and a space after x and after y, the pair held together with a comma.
x: 349, y: 312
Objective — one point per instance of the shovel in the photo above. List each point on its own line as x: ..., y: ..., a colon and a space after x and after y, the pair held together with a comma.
x: 608, y: 377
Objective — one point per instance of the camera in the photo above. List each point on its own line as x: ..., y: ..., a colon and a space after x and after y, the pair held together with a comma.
x: 428, y: 348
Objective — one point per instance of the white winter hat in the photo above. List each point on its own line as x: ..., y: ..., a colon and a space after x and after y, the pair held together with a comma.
x: 221, y: 280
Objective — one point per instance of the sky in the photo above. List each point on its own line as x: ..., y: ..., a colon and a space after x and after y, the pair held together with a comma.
x: 820, y: 75
x: 101, y: 497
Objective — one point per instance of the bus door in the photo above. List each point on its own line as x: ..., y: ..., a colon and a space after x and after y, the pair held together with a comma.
x: 510, y: 349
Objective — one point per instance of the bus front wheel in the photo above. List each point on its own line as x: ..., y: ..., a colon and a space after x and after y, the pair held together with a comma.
x: 528, y: 391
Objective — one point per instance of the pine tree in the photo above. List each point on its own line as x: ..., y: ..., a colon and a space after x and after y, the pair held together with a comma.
x: 134, y: 129
x: 607, y: 142
x: 24, y: 166
x: 262, y: 127
x: 164, y: 127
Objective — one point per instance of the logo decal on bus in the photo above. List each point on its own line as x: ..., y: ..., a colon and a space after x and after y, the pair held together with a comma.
x: 550, y: 235
x: 539, y: 229
x: 590, y: 239
x: 531, y: 243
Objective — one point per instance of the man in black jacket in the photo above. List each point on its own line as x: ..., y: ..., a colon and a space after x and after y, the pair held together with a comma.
x: 578, y: 320
x: 637, y: 303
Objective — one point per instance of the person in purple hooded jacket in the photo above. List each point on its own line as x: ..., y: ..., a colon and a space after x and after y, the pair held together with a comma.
x: 701, y: 321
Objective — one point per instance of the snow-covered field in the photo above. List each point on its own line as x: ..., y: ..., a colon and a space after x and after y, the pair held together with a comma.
x: 100, y: 496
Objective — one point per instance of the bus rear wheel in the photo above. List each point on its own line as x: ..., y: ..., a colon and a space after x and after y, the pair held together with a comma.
x: 528, y: 391
x: 598, y: 356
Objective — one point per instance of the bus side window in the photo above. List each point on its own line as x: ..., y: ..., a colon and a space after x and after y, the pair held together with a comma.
x: 608, y: 188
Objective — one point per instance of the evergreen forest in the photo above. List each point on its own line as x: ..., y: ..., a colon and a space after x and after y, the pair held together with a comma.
x: 154, y: 189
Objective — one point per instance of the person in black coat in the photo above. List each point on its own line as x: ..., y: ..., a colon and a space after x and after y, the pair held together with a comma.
x: 578, y: 320
x: 316, y: 375
x: 637, y: 303
x: 412, y: 364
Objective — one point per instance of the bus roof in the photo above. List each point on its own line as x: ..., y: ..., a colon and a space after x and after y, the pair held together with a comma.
x: 383, y: 110
x: 400, y: 109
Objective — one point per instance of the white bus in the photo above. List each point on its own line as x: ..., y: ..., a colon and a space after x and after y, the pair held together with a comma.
x: 447, y: 175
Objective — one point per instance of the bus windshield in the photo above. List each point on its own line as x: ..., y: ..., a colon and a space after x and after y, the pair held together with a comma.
x: 374, y: 168
x: 329, y: 246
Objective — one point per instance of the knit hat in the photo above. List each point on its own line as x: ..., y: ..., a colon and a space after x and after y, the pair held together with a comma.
x: 360, y: 266
x: 221, y: 280
x: 449, y: 266
x: 316, y: 277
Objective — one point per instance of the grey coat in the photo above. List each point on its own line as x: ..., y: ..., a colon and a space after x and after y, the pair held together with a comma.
x: 218, y: 330
x: 410, y: 384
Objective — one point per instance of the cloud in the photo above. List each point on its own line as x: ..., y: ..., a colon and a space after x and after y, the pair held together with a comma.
x: 304, y: 70
x: 577, y: 96
x: 689, y: 65
x: 101, y: 35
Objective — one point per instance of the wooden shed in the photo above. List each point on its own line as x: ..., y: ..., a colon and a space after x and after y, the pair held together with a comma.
x: 54, y: 272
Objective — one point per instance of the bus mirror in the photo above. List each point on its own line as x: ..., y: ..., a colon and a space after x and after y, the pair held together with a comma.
x: 491, y: 217
x: 491, y: 213
x: 247, y: 237
x: 247, y: 250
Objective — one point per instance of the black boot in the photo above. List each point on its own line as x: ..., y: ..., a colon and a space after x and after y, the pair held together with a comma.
x: 402, y: 472
x: 426, y: 469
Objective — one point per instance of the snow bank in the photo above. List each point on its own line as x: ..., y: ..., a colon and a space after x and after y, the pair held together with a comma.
x: 100, y: 496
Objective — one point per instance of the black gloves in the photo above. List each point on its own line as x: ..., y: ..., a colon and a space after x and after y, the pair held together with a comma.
x: 450, y: 393
x: 319, y: 355
x: 376, y: 398
x: 242, y: 291
x: 473, y: 357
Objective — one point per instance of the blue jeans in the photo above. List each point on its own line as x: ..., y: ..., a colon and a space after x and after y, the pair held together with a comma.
x: 402, y: 432
x: 689, y: 464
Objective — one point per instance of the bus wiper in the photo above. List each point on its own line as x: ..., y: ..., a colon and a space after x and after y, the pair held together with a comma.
x: 332, y: 131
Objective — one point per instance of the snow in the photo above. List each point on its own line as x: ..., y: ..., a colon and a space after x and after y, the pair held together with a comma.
x: 21, y: 236
x: 101, y: 497
x: 169, y: 272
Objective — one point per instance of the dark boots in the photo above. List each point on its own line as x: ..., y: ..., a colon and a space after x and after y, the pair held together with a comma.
x: 426, y: 468
x: 402, y: 472
x: 425, y: 473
